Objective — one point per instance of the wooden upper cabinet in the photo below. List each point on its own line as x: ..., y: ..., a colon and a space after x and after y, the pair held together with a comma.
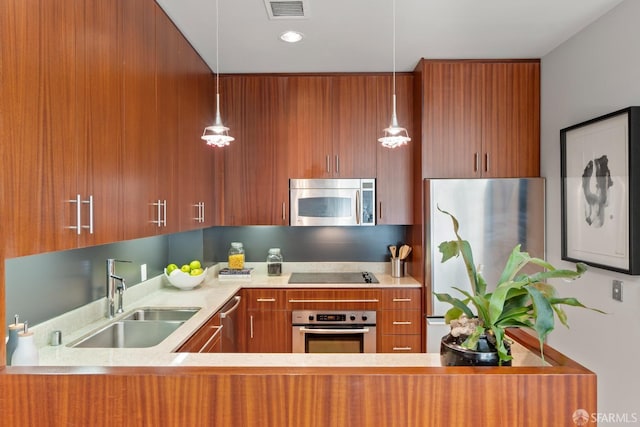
x: 511, y: 131
x: 65, y: 136
x: 140, y: 123
x: 354, y: 124
x: 480, y: 118
x: 394, y: 165
x: 309, y: 131
x: 256, y: 190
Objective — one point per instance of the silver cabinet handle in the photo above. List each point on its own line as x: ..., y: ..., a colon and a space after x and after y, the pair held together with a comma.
x: 284, y: 211
x: 334, y: 331
x: 337, y: 164
x: 402, y: 348
x: 380, y: 210
x: 476, y: 162
x: 212, y: 337
x: 78, y: 226
x: 265, y: 299
x: 358, y: 207
x: 200, y: 215
x: 331, y: 300
x: 402, y: 300
x: 90, y: 203
x: 251, y: 326
x: 164, y: 213
x: 486, y: 162
x: 232, y: 309
x: 397, y: 322
x: 328, y: 164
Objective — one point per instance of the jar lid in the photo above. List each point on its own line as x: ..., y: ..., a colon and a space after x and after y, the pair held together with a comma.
x: 274, y: 250
x: 236, y: 244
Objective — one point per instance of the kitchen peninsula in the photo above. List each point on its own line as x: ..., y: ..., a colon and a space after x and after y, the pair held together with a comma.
x: 157, y: 387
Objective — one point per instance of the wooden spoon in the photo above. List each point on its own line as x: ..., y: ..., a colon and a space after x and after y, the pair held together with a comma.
x: 392, y: 248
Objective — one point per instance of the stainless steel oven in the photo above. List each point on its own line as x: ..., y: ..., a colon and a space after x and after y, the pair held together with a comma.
x: 329, y: 331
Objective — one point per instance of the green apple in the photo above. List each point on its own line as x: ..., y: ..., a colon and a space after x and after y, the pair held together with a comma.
x: 185, y: 268
x: 195, y: 264
x: 171, y: 267
x: 196, y: 272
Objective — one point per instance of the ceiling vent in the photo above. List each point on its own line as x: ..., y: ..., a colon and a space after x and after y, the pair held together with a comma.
x: 287, y: 9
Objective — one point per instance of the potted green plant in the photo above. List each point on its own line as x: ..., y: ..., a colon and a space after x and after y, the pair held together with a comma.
x: 517, y: 300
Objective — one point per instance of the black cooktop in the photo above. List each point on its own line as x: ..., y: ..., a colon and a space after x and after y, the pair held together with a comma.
x: 341, y: 277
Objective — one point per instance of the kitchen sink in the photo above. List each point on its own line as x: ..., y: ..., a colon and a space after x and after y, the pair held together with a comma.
x: 129, y: 334
x: 162, y: 313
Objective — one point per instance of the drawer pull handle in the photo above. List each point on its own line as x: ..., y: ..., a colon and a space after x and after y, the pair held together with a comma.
x: 401, y: 323
x: 265, y: 299
x: 331, y: 300
x: 402, y: 348
x: 212, y: 337
x: 402, y: 300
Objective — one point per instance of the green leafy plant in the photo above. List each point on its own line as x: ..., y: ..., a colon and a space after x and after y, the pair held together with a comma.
x: 518, y: 300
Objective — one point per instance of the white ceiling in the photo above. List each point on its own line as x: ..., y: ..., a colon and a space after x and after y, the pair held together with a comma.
x: 356, y: 35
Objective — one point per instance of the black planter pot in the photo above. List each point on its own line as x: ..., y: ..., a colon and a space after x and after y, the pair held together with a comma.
x: 453, y: 354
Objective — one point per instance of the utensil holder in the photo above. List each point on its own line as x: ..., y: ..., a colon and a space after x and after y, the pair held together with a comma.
x: 397, y: 267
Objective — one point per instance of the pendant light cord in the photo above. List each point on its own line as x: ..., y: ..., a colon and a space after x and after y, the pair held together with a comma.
x: 394, y: 46
x: 217, y: 49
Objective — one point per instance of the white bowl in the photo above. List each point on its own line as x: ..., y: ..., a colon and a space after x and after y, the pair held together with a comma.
x: 184, y: 281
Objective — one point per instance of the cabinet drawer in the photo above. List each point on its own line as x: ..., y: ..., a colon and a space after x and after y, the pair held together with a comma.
x: 204, y: 339
x: 400, y: 322
x: 400, y: 344
x: 334, y: 299
x: 265, y: 299
x: 401, y: 299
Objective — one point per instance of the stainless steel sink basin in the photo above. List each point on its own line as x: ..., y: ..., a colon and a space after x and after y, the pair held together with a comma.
x: 162, y: 313
x: 129, y: 334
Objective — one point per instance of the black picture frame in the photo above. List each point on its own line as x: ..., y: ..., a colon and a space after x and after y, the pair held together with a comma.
x: 600, y: 181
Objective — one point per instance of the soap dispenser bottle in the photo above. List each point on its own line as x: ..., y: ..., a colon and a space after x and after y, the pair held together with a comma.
x: 26, y: 353
x: 14, y: 328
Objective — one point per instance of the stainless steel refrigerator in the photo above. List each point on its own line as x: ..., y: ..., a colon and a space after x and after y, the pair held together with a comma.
x: 494, y: 215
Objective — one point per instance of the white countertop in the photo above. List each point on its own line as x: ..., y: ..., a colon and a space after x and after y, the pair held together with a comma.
x: 211, y: 296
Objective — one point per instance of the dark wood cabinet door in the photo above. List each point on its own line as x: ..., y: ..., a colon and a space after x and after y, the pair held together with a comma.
x: 511, y: 132
x: 140, y: 125
x: 268, y: 332
x: 309, y: 127
x: 452, y: 114
x: 100, y: 159
x: 394, y: 166
x: 256, y: 188
x: 355, y: 126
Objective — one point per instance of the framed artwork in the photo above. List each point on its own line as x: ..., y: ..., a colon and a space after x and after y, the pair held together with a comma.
x: 600, y: 161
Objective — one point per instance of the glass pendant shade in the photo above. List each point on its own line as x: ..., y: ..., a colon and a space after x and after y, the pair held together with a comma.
x: 394, y: 136
x: 218, y: 134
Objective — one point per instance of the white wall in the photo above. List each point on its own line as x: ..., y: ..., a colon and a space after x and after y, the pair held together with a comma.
x: 594, y: 73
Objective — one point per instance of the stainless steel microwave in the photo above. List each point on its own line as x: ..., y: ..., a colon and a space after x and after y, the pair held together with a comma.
x: 332, y: 202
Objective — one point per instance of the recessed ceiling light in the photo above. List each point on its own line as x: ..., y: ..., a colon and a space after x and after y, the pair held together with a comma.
x: 291, y: 36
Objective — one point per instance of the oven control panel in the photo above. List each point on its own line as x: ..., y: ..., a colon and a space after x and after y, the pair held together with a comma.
x: 329, y: 317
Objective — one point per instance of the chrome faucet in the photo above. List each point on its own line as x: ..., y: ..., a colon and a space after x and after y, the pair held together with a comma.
x: 112, y: 289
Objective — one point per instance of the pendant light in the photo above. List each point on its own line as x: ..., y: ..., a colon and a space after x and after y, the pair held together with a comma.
x: 218, y: 134
x: 394, y: 136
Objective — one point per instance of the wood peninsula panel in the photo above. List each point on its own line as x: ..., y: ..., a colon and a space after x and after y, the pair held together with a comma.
x: 301, y: 396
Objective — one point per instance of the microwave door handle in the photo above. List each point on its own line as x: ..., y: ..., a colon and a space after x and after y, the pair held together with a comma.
x: 357, y: 207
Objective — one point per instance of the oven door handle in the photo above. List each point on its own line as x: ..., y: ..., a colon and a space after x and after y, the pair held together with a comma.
x: 334, y: 331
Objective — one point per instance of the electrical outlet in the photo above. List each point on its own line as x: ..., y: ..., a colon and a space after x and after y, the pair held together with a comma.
x: 616, y: 290
x: 143, y: 272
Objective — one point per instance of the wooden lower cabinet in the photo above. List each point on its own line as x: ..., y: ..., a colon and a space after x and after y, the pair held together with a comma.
x: 400, y: 320
x: 267, y: 321
x: 207, y: 339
